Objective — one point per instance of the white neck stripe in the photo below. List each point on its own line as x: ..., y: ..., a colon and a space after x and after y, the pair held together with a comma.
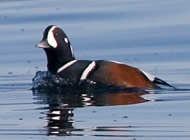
x: 66, y: 66
x: 87, y: 70
x: 72, y: 51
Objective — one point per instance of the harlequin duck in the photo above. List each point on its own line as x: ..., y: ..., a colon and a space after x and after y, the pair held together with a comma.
x: 61, y: 61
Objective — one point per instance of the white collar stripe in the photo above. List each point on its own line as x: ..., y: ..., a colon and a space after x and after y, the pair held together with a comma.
x: 66, y: 65
x: 87, y: 70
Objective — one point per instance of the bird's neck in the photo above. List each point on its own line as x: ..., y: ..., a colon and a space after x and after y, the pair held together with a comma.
x: 57, y: 59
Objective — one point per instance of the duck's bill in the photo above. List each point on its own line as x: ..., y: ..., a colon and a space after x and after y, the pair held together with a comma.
x: 43, y: 44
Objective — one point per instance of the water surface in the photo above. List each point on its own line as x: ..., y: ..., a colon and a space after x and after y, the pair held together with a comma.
x: 151, y: 35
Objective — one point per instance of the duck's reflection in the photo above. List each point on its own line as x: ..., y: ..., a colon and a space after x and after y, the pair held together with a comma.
x: 60, y: 121
x: 62, y: 101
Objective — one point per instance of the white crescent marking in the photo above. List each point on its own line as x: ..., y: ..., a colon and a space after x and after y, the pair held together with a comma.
x: 87, y: 70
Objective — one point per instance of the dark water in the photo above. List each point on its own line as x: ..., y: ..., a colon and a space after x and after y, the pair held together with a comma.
x: 151, y: 35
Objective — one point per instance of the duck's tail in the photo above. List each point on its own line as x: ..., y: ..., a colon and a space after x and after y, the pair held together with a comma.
x: 161, y: 82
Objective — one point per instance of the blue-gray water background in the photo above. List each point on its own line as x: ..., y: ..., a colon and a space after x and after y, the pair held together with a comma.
x: 148, y: 34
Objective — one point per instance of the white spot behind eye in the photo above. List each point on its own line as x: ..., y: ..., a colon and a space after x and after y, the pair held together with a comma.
x: 51, y: 39
x: 66, y: 40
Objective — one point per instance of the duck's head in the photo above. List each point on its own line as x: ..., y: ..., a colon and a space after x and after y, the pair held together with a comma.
x: 57, y: 48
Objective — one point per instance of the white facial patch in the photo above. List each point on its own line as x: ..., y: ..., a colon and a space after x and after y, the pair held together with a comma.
x: 51, y: 39
x: 66, y: 40
x: 87, y: 70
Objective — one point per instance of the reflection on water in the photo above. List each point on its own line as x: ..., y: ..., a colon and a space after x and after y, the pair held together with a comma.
x: 63, y: 101
x: 60, y: 105
x: 128, y: 113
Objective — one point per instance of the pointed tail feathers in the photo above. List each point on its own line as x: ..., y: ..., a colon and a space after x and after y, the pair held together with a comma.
x: 161, y: 82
